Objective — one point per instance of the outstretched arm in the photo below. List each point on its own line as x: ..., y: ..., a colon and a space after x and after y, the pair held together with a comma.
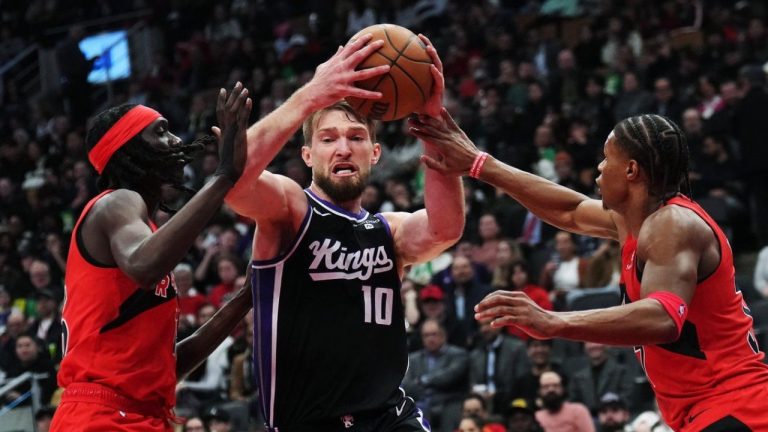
x: 196, y: 348
x: 555, y: 204
x: 147, y: 257
x: 333, y: 81
x: 671, y: 245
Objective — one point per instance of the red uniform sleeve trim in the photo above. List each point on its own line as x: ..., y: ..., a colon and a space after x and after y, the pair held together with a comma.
x: 674, y: 305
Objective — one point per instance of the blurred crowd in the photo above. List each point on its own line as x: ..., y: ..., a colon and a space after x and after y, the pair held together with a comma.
x: 538, y: 84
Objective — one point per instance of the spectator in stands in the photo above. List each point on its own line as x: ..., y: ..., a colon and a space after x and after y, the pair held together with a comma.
x: 601, y: 375
x: 596, y: 108
x: 721, y: 122
x: 195, y: 424
x: 751, y: 129
x: 557, y: 413
x: 40, y: 278
x: 47, y: 325
x: 432, y: 305
x: 563, y: 273
x: 521, y: 417
x: 693, y: 126
x: 444, y: 278
x: 43, y: 418
x: 437, y: 377
x: 218, y: 420
x: 464, y: 293
x: 15, y: 327
x: 242, y: 392
x: 612, y: 413
x: 665, y: 100
x: 603, y: 266
x: 489, y: 232
x: 204, y: 386
x: 760, y: 279
x: 539, y: 360
x: 74, y: 68
x: 32, y: 358
x: 519, y: 280
x: 494, y: 364
x: 507, y: 253
x: 228, y: 270
x: 710, y: 101
x: 190, y: 300
x: 223, y: 27
x: 633, y: 99
x: 471, y: 424
x: 5, y: 306
x: 474, y: 406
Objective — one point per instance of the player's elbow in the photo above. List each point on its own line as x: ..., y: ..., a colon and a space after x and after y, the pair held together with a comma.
x: 666, y: 331
x: 146, y: 274
x: 448, y: 235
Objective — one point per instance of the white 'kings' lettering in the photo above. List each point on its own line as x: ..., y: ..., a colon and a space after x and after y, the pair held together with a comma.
x: 360, y: 264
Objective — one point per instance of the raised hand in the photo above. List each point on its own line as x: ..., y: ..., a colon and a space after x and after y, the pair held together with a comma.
x: 335, y: 79
x: 435, y: 102
x: 456, y: 151
x: 232, y: 113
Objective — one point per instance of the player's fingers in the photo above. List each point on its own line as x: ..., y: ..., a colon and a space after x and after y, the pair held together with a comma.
x: 221, y: 99
x: 438, y: 79
x: 239, y: 102
x: 503, y: 322
x: 364, y: 74
x: 233, y: 95
x: 448, y: 119
x: 491, y: 300
x: 358, y: 56
x: 432, y: 52
x: 433, y: 164
x: 244, y: 114
x: 494, y: 312
x: 354, y: 46
x: 362, y: 94
x: 216, y: 131
x: 425, y: 135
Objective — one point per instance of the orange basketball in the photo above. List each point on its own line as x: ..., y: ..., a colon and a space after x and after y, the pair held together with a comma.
x: 407, y: 85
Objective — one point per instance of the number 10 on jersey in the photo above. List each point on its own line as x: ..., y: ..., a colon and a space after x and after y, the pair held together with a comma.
x: 377, y: 305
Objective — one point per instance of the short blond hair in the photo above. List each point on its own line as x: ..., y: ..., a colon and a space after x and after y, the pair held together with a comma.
x: 308, y: 128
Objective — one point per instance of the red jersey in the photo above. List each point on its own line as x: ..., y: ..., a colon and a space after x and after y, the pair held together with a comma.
x: 115, y: 333
x: 716, y: 353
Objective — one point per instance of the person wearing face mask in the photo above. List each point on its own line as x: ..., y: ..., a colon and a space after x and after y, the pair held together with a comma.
x: 558, y: 414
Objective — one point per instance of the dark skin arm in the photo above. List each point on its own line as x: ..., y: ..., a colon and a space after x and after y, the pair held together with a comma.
x: 675, y: 245
x: 196, y: 348
x: 116, y: 232
x: 553, y: 203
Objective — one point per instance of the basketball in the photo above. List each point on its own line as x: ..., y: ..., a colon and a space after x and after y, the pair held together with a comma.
x: 407, y: 85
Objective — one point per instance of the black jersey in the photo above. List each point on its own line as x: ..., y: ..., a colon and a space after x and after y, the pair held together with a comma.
x: 329, y: 336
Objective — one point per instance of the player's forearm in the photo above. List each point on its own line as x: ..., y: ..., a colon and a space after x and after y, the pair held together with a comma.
x: 268, y: 136
x: 643, y: 322
x: 159, y: 253
x: 196, y: 348
x: 444, y: 202
x: 549, y: 201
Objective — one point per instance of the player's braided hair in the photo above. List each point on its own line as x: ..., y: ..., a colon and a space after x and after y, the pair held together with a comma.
x: 137, y: 163
x: 660, y: 148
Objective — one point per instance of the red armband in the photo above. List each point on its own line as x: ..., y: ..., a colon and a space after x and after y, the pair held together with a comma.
x: 674, y: 305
